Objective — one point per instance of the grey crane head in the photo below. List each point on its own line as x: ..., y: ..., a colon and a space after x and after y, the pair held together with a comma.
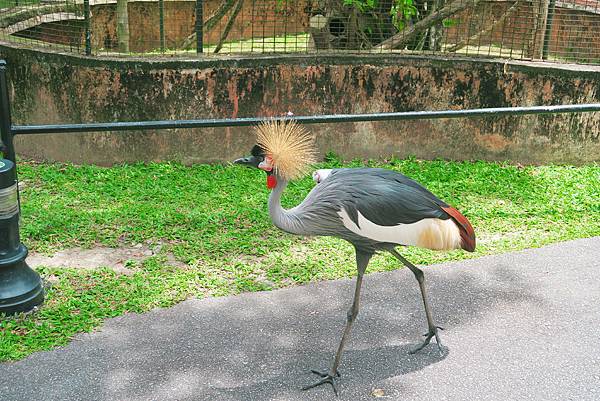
x: 257, y: 159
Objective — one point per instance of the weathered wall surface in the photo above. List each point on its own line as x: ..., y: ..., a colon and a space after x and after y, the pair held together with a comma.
x: 52, y: 88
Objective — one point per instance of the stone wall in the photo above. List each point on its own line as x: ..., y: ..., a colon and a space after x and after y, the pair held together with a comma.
x: 55, y: 88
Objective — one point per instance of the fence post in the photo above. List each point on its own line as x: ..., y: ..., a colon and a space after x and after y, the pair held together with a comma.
x: 548, y: 31
x: 199, y: 25
x: 88, y: 31
x: 8, y: 147
x: 20, y: 286
x: 161, y: 23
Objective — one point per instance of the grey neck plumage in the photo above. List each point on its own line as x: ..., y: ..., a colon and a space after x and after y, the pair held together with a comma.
x: 286, y: 220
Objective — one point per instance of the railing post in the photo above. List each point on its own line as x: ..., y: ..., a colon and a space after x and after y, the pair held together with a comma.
x: 199, y: 25
x: 8, y: 147
x: 20, y: 286
x: 161, y: 24
x: 88, y: 31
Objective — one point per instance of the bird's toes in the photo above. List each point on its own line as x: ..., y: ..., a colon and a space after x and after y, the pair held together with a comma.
x: 325, y: 373
x: 326, y: 379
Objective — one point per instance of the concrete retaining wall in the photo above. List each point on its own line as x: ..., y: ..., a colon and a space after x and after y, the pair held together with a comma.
x: 56, y: 88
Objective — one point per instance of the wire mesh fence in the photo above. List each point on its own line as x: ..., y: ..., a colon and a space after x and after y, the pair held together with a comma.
x: 553, y: 30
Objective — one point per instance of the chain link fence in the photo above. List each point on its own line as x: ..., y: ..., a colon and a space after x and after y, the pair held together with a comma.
x: 552, y: 30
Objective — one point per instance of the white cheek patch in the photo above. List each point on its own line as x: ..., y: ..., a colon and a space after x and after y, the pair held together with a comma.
x: 266, y: 165
x: 321, y: 174
x: 428, y: 233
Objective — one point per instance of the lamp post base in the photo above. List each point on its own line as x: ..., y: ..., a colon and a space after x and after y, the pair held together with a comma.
x: 20, y: 286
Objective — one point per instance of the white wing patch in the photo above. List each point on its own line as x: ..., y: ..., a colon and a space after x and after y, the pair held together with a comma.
x: 320, y: 175
x: 428, y: 233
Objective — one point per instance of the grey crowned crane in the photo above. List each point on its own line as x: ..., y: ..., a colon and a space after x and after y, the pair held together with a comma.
x: 372, y: 208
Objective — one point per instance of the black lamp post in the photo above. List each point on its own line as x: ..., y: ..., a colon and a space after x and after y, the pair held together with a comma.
x: 20, y: 286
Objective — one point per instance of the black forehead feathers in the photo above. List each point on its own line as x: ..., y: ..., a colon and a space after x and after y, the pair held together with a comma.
x: 257, y: 151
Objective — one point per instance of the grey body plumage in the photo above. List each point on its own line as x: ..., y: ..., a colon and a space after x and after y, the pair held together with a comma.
x: 385, y: 197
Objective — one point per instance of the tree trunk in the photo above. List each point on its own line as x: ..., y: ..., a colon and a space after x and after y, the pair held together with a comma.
x: 335, y: 24
x: 122, y: 26
x: 407, y: 35
x: 319, y: 32
x: 539, y: 40
x: 234, y: 14
x: 437, y: 30
x: 485, y: 31
x: 532, y: 45
x: 211, y: 22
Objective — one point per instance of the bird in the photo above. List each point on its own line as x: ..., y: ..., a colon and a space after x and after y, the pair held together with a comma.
x: 374, y: 209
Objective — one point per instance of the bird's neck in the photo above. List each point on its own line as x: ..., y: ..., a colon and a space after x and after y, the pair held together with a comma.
x: 283, y: 219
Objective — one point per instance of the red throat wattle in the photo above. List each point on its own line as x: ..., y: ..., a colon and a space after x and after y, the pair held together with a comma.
x: 271, y: 181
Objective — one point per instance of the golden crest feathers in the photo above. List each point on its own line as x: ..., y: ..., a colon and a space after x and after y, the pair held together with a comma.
x: 290, y: 146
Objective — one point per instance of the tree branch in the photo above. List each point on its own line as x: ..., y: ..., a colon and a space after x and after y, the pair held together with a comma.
x: 225, y: 33
x: 404, y: 37
x: 211, y: 22
x: 485, y: 31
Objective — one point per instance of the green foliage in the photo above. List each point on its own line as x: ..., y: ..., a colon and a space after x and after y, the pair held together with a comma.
x: 402, y: 12
x: 449, y: 22
x: 214, y: 220
x: 361, y: 5
x: 281, y: 5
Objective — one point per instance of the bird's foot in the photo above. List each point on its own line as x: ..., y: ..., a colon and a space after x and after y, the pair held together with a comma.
x: 326, y: 378
x: 433, y: 332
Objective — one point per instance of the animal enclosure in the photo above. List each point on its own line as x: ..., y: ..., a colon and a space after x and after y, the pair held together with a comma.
x: 553, y: 30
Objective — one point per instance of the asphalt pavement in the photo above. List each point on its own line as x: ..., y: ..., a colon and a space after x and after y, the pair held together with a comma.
x: 518, y: 326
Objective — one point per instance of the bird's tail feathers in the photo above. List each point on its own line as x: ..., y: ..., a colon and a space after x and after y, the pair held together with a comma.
x: 467, y: 234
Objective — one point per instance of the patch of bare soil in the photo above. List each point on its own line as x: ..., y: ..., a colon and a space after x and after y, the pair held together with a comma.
x: 114, y: 258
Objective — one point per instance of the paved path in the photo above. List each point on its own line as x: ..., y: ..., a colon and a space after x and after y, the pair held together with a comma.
x: 520, y: 326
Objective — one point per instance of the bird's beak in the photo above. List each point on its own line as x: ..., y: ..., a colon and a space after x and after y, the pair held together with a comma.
x: 250, y: 161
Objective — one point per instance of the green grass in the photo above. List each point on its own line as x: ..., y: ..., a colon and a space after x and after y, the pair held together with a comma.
x: 284, y: 43
x: 17, y: 3
x: 291, y: 43
x: 214, y: 219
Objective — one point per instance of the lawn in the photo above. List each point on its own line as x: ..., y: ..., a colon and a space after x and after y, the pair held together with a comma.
x: 214, y: 220
x: 17, y: 3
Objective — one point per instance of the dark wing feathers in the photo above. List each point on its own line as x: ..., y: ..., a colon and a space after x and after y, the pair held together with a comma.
x: 385, y: 197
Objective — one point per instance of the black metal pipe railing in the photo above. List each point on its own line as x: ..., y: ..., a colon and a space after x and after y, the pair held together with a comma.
x: 338, y: 118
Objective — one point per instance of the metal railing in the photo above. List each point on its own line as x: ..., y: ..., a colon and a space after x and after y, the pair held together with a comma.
x: 552, y: 30
x: 21, y: 288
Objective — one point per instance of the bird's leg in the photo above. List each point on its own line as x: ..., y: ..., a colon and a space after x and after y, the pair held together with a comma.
x: 433, y: 329
x: 362, y: 260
